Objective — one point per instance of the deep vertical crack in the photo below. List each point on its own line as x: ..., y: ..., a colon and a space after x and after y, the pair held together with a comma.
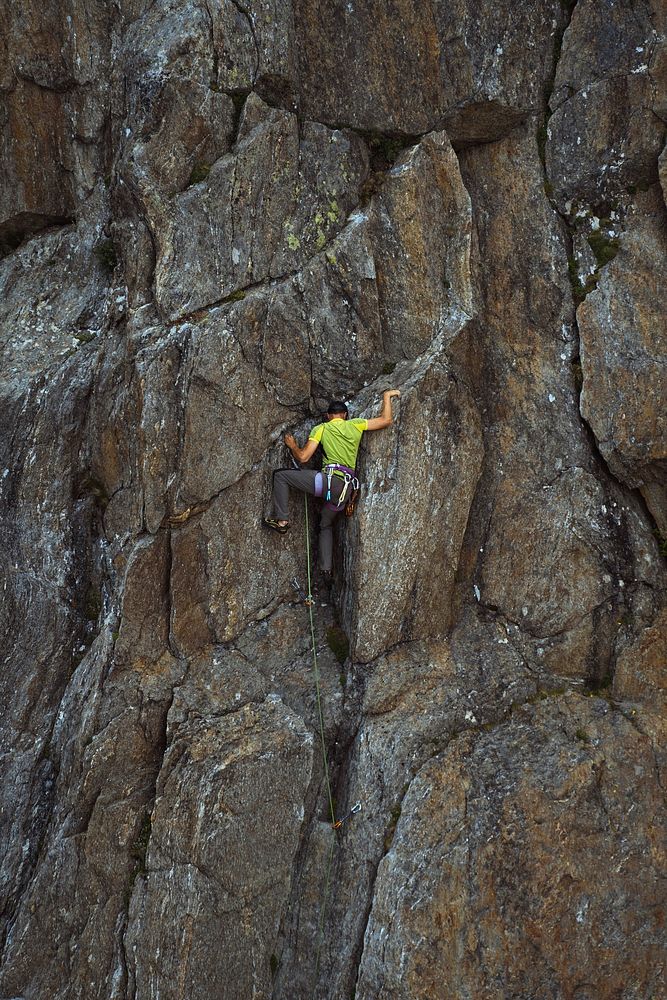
x: 579, y: 291
x: 143, y: 836
x: 248, y: 17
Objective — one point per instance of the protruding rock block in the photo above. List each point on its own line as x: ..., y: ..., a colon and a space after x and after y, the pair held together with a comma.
x: 623, y: 327
x: 579, y: 569
x: 423, y: 470
x: 608, y: 103
x: 54, y: 102
x: 224, y: 835
x: 261, y: 211
x: 407, y: 69
x: 54, y: 300
x: 511, y: 854
x: 421, y: 224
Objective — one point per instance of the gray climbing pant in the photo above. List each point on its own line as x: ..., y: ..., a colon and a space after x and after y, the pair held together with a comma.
x: 304, y: 480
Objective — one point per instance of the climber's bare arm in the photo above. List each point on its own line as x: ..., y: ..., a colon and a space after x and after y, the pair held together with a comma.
x: 385, y: 419
x: 300, y: 454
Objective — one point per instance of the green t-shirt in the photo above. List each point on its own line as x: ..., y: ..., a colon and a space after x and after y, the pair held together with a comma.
x: 340, y: 440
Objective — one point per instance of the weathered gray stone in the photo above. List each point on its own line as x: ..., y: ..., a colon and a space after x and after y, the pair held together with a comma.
x: 604, y: 40
x: 54, y: 298
x: 53, y: 108
x: 255, y: 48
x: 623, y: 326
x: 608, y: 102
x: 219, y: 566
x: 103, y: 754
x: 416, y: 696
x: 250, y: 207
x: 423, y: 471
x: 399, y: 69
x: 224, y: 860
x: 384, y: 59
x: 336, y: 297
x: 481, y: 834
x: 423, y: 193
x: 144, y: 623
x: 641, y: 668
x: 492, y: 62
x: 662, y: 171
x: 603, y: 140
x: 576, y: 572
x: 229, y: 255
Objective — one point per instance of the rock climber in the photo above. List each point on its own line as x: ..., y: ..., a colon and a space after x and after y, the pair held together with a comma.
x: 340, y: 439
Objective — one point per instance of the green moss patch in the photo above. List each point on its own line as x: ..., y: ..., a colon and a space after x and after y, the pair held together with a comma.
x: 200, y: 172
x: 604, y: 247
x: 338, y: 643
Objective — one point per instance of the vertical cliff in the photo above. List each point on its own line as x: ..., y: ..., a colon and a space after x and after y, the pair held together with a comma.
x: 216, y: 215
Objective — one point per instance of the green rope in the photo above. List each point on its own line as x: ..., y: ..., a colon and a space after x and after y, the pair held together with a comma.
x: 316, y: 671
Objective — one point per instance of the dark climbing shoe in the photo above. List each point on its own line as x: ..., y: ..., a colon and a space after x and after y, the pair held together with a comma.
x: 276, y: 526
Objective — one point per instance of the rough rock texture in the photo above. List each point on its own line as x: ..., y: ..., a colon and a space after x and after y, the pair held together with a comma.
x: 609, y: 99
x: 524, y: 818
x: 54, y: 63
x: 244, y: 777
x: 446, y: 435
x: 624, y: 356
x: 214, y: 217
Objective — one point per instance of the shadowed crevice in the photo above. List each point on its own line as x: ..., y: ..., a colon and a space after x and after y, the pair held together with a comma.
x: 25, y: 226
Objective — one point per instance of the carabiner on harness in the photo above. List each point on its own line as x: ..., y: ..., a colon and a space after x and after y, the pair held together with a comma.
x: 350, y: 481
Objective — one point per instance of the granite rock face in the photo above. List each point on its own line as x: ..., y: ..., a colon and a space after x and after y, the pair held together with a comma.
x: 444, y: 918
x: 54, y: 62
x: 215, y: 217
x: 624, y: 356
x: 608, y: 102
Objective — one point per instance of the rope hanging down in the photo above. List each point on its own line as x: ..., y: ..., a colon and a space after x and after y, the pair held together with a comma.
x: 335, y: 824
x: 310, y: 603
x: 325, y: 901
x: 316, y: 671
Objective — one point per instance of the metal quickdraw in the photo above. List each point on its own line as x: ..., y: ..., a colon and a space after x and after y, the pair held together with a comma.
x: 306, y: 598
x: 355, y: 809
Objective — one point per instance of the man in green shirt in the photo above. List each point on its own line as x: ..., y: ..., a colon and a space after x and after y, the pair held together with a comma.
x: 340, y: 439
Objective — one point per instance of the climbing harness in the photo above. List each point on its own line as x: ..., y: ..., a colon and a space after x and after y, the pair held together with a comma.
x: 350, y: 484
x: 349, y: 493
x: 351, y: 503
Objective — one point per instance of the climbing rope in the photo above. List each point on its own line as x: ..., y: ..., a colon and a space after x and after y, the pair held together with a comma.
x: 309, y: 604
x: 316, y: 671
x: 335, y: 824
